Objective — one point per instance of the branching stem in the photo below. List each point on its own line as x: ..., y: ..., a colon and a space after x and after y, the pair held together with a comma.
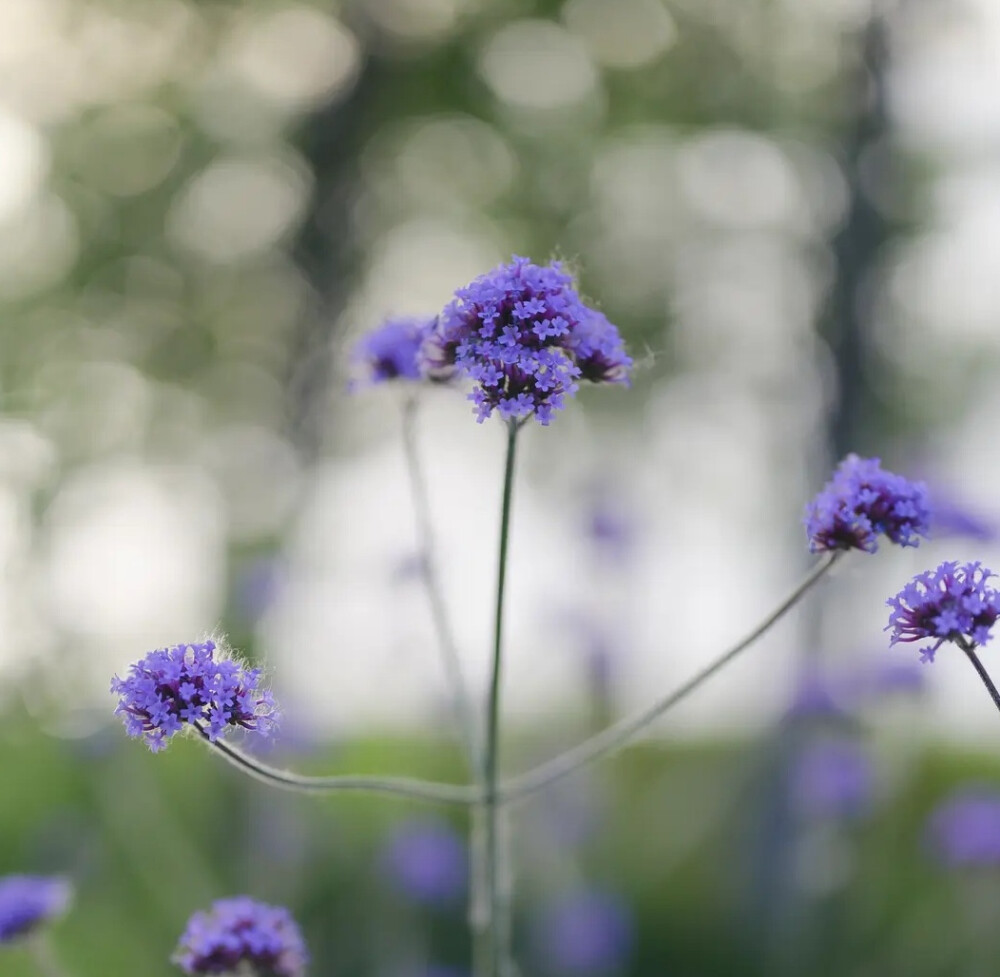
x: 612, y: 739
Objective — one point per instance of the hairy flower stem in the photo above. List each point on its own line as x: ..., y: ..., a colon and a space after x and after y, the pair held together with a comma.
x: 465, y: 713
x: 970, y: 652
x: 424, y: 790
x: 613, y: 738
x: 496, y: 959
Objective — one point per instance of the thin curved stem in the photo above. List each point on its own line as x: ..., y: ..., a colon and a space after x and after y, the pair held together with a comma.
x: 614, y: 737
x: 465, y: 713
x: 970, y: 652
x: 425, y: 790
x: 491, y: 757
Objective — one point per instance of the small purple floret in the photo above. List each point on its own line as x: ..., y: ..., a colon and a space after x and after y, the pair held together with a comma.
x: 862, y: 502
x: 952, y: 603
x: 28, y: 901
x: 241, y: 931
x: 524, y: 336
x: 965, y: 830
x: 391, y: 351
x: 188, y: 684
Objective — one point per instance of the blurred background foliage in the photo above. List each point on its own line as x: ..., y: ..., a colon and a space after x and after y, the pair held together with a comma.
x: 789, y: 207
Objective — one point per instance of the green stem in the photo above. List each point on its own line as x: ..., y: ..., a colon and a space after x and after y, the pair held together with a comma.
x: 613, y: 738
x: 491, y: 757
x: 465, y: 714
x: 424, y: 790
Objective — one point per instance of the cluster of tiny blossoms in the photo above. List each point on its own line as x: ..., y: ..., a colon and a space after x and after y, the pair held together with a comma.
x: 520, y: 332
x: 189, y: 684
x: 862, y: 502
x: 952, y: 603
x: 241, y: 935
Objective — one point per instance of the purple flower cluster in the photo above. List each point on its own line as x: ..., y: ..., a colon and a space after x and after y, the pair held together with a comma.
x: 188, y: 684
x: 241, y: 934
x: 862, y: 502
x: 952, y: 603
x: 965, y: 830
x: 391, y: 352
x: 524, y: 336
x: 27, y: 901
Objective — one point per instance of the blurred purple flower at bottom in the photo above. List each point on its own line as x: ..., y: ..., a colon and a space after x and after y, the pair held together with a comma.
x: 832, y: 778
x: 27, y: 901
x: 588, y: 932
x: 241, y: 934
x: 427, y: 862
x: 965, y: 829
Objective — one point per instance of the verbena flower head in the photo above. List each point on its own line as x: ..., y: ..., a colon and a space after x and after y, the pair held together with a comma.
x: 28, y: 901
x: 240, y: 934
x: 191, y: 684
x: 952, y: 603
x: 391, y: 351
x: 965, y: 829
x: 524, y: 336
x: 862, y: 502
x: 427, y: 862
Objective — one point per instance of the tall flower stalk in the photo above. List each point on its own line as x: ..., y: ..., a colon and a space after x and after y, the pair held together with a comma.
x: 498, y: 951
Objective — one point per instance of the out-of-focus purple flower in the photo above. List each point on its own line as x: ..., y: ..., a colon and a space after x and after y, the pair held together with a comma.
x: 189, y: 684
x: 391, y: 352
x: 427, y: 862
x: 611, y: 530
x: 950, y: 518
x: 816, y: 696
x: 257, y: 586
x: 965, y: 829
x: 599, y: 350
x: 238, y: 934
x: 897, y: 677
x: 832, y: 778
x: 28, y: 901
x: 588, y: 932
x: 862, y: 502
x: 522, y: 334
x: 952, y: 603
